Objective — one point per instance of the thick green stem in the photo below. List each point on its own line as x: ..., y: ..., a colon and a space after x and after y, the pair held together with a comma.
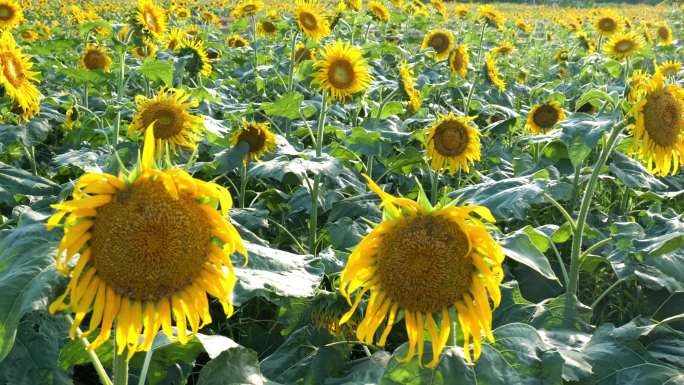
x: 313, y: 221
x: 243, y: 183
x: 571, y: 289
x: 466, y: 108
x: 293, y: 58
x: 92, y: 355
x: 145, y: 367
x: 434, y: 188
x: 120, y: 369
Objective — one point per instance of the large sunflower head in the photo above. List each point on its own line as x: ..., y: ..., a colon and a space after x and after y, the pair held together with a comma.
x: 152, y: 19
x: 10, y: 14
x: 453, y: 143
x: 492, y: 72
x: 149, y: 248
x: 310, y: 19
x: 17, y: 78
x: 173, y: 124
x: 378, y: 10
x: 236, y: 41
x: 95, y: 58
x: 659, y: 130
x: 458, y: 61
x: 623, y: 45
x: 669, y: 68
x: 246, y: 8
x: 608, y: 23
x: 423, y: 261
x: 197, y: 59
x: 543, y: 117
x: 408, y: 83
x: 442, y: 41
x: 664, y: 34
x: 342, y: 70
x: 258, y: 137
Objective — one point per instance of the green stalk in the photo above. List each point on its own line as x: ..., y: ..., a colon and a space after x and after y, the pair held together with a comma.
x: 290, y: 76
x: 94, y: 359
x: 466, y: 108
x: 145, y: 367
x: 243, y: 183
x: 313, y: 221
x: 434, y: 188
x: 120, y: 369
x: 575, y: 260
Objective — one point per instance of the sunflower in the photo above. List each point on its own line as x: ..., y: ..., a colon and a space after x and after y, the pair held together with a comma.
x: 342, y: 71
x: 543, y: 117
x: 608, y: 23
x: 10, y: 14
x: 659, y: 129
x: 636, y: 84
x: 452, y: 143
x: 562, y: 55
x: 173, y: 125
x: 669, y: 68
x: 70, y: 117
x: 458, y: 61
x: 152, y: 18
x: 95, y: 58
x: 147, y: 50
x: 664, y: 34
x: 266, y: 28
x: 182, y: 13
x: 503, y: 49
x: 378, y: 11
x: 246, y: 8
x: 175, y: 38
x: 491, y: 16
x: 198, y: 60
x: 258, y: 137
x: 354, y: 4
x: 150, y: 248
x: 16, y: 76
x: 461, y: 11
x: 309, y: 17
x: 236, y: 41
x: 409, y: 86
x: 28, y: 35
x: 522, y: 25
x: 585, y: 42
x: 492, y: 72
x: 623, y: 45
x: 423, y: 261
x: 442, y: 41
x: 302, y: 53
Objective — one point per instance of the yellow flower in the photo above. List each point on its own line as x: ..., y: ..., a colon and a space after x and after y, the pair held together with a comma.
x: 408, y: 83
x: 503, y: 49
x: 491, y: 16
x: 17, y: 78
x: 11, y: 14
x: 258, y: 136
x: 453, y: 143
x: 198, y: 63
x: 669, y: 68
x: 659, y: 130
x: 95, y: 58
x: 148, y: 50
x: 152, y: 18
x: 236, y: 41
x: 266, y: 28
x: 608, y: 23
x: 342, y: 71
x: 458, y: 61
x: 378, y: 11
x: 354, y: 4
x: 182, y: 12
x: 150, y: 249
x: 173, y: 125
x: 442, y: 41
x: 636, y: 84
x: 29, y: 35
x: 562, y: 55
x: 70, y: 117
x: 309, y: 17
x: 623, y: 45
x: 246, y: 8
x: 424, y: 261
x: 543, y: 117
x: 492, y: 72
x: 302, y: 53
x: 664, y: 34
x: 585, y: 42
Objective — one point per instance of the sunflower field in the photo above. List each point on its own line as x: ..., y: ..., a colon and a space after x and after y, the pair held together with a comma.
x: 352, y: 192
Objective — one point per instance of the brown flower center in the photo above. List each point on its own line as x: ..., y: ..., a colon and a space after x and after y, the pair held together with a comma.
x: 456, y: 60
x: 151, y: 21
x: 308, y: 20
x: 439, y: 42
x: 12, y: 68
x: 95, y: 60
x: 423, y: 263
x: 451, y: 138
x: 607, y: 24
x: 254, y: 137
x: 147, y: 244
x: 662, y: 118
x: 6, y: 12
x: 623, y: 46
x: 302, y: 53
x: 663, y: 33
x: 268, y: 27
x: 545, y: 116
x: 341, y: 73
x: 168, y: 120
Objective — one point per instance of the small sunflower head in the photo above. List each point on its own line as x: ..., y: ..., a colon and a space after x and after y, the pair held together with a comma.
x: 151, y: 18
x: 247, y: 8
x: 458, y: 61
x: 196, y: 56
x: 258, y: 136
x: 442, y: 41
x: 491, y: 16
x: 11, y: 14
x: 492, y: 72
x: 409, y: 86
x: 623, y: 45
x: 378, y: 10
x: 669, y: 68
x: 310, y: 19
x: 664, y: 34
x: 342, y: 70
x: 303, y: 53
x: 608, y: 23
x: 452, y: 143
x: 543, y: 117
x: 236, y: 41
x: 95, y: 58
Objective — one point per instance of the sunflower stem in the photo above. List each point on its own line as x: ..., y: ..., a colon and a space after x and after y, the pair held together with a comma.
x: 434, y: 188
x: 94, y: 359
x: 145, y: 367
x: 313, y: 221
x: 290, y: 76
x: 120, y: 369
x: 466, y: 108
x: 243, y: 183
x: 254, y: 49
x: 575, y: 254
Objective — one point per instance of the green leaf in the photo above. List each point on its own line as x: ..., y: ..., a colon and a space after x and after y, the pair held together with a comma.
x: 28, y: 278
x: 276, y: 272
x: 286, y: 106
x: 14, y: 181
x: 519, y: 247
x: 580, y: 135
x: 452, y: 366
x: 157, y: 70
x: 90, y: 25
x: 83, y: 75
x: 390, y: 108
x: 235, y: 366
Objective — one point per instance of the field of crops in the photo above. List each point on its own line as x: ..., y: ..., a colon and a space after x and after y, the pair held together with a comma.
x: 362, y: 192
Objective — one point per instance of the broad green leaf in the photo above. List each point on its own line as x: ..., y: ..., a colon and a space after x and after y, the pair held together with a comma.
x: 286, y: 106
x: 14, y: 181
x: 157, y: 70
x: 90, y: 25
x: 452, y: 367
x: 235, y: 366
x: 519, y: 247
x: 389, y: 109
